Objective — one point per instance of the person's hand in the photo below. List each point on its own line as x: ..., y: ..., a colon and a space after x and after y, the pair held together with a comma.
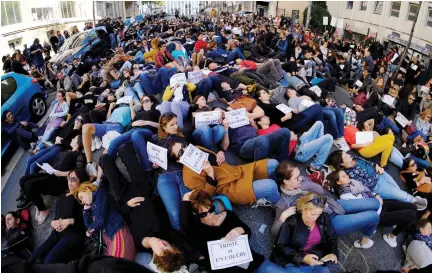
x: 88, y: 234
x: 288, y: 116
x: 64, y: 223
x: 293, y: 136
x: 134, y: 202
x: 58, y: 140
x: 287, y: 213
x: 379, y: 169
x: 24, y: 123
x: 140, y: 123
x: 56, y: 173
x: 379, y: 199
x: 175, y: 86
x: 131, y: 103
x: 409, y: 122
x: 86, y: 207
x: 225, y: 123
x: 344, y: 106
x: 55, y: 224
x: 329, y: 257
x: 312, y: 259
x: 186, y: 197
x: 155, y: 166
x: 220, y: 157
x: 234, y: 233
x: 112, y: 105
x: 295, y: 111
x: 63, y: 123
x: 208, y: 168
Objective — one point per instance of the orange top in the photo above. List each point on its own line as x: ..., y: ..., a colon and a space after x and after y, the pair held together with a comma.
x: 350, y: 134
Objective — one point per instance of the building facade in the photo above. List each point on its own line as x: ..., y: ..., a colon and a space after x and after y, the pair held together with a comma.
x: 389, y: 21
x: 23, y: 21
x: 185, y: 8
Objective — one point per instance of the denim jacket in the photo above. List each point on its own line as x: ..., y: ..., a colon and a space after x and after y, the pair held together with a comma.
x: 62, y: 114
x: 103, y: 215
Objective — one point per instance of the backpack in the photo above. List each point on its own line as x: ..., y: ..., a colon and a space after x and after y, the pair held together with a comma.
x: 25, y: 218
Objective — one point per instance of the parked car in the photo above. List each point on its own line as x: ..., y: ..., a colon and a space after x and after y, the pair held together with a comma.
x: 89, y: 45
x: 24, y: 97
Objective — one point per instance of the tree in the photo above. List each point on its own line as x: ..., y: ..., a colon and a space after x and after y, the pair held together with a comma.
x: 318, y: 11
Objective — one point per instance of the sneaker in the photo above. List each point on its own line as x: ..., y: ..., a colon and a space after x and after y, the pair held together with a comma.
x: 98, y: 142
x: 262, y: 203
x: 358, y: 244
x: 97, y: 183
x: 91, y: 169
x: 421, y: 203
x: 32, y: 146
x: 42, y: 218
x: 24, y: 203
x: 389, y: 240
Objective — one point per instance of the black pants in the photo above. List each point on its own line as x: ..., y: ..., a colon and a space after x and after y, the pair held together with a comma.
x: 34, y: 185
x: 401, y: 214
x: 60, y: 247
x: 97, y: 116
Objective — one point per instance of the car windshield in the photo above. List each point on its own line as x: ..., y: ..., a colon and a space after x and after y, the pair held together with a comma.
x: 73, y: 41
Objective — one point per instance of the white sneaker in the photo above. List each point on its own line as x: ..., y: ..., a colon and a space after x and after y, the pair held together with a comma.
x: 262, y: 203
x: 98, y: 142
x: 32, y: 146
x: 391, y: 241
x: 91, y: 169
x: 369, y: 244
x: 421, y: 203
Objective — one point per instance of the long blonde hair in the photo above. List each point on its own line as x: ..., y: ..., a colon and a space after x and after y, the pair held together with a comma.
x: 83, y: 188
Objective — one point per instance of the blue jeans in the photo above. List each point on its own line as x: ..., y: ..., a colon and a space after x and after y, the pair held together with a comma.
x: 47, y: 135
x: 267, y: 188
x: 314, y: 143
x: 335, y: 116
x: 112, y: 40
x: 179, y: 108
x: 102, y: 129
x: 160, y: 81
x: 136, y: 91
x: 387, y: 123
x: 360, y: 214
x: 387, y: 188
x: 261, y: 147
x: 171, y: 189
x: 139, y: 58
x: 235, y: 54
x: 292, y: 268
x: 311, y: 65
x: 41, y: 157
x: 208, y: 136
x: 396, y: 157
x: 115, y: 84
x: 313, y: 113
x: 421, y: 163
x: 267, y: 267
x: 138, y: 136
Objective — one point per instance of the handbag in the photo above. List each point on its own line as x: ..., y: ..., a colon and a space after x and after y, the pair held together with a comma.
x: 94, y: 244
x: 244, y: 102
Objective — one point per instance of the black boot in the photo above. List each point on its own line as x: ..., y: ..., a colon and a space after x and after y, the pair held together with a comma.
x: 22, y: 196
x: 24, y: 203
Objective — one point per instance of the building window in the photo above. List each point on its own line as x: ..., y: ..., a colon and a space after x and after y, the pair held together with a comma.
x: 350, y: 4
x: 395, y: 9
x: 429, y: 18
x: 10, y: 13
x: 378, y: 7
x: 67, y: 9
x: 412, y: 12
x: 363, y: 5
x: 42, y: 13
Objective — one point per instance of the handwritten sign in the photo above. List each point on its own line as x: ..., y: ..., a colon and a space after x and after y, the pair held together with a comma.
x: 402, y: 120
x: 358, y: 83
x: 194, y: 158
x: 195, y: 76
x: 364, y: 137
x: 237, y: 118
x: 325, y: 21
x: 157, y: 155
x: 389, y: 100
x: 333, y: 21
x: 305, y: 104
x: 225, y: 254
x: 284, y: 108
x: 46, y: 168
x: 207, y: 118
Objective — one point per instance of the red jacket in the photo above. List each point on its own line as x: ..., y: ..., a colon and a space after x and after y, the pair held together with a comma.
x: 200, y: 45
x: 160, y: 58
x: 248, y: 64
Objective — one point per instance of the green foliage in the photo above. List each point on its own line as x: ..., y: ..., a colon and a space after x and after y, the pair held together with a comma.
x: 319, y: 10
x: 150, y: 3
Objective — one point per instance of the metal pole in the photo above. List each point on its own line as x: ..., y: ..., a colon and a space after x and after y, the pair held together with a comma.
x: 308, y: 14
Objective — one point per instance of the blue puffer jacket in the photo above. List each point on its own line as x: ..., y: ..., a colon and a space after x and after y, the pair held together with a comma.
x: 283, y: 45
x: 104, y: 214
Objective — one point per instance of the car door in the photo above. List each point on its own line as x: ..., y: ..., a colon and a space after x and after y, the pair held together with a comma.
x: 8, y: 88
x: 12, y: 95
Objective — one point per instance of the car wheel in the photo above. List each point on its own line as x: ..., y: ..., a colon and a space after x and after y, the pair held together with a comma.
x: 38, y: 107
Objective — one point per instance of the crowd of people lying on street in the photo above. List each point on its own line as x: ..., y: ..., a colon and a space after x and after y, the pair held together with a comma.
x: 179, y: 99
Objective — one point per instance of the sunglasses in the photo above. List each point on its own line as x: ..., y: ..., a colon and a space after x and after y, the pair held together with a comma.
x: 319, y: 201
x: 72, y: 179
x: 205, y: 213
x: 79, y: 120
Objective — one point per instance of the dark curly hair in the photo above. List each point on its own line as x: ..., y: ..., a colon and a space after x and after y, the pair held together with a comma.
x: 169, y: 261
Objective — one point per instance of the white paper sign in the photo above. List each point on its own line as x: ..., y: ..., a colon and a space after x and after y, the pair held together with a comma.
x: 424, y: 89
x: 306, y: 61
x: 195, y: 76
x: 207, y: 118
x: 179, y: 78
x: 364, y: 137
x: 414, y: 67
x: 284, y: 108
x: 305, y: 104
x: 225, y: 254
x: 325, y: 21
x: 333, y: 21
x: 46, y: 167
x: 359, y: 83
x: 340, y: 24
x: 157, y: 155
x: 352, y: 46
x: 389, y: 100
x: 237, y: 118
x: 402, y: 120
x: 125, y: 100
x: 194, y: 158
x: 206, y: 71
x: 342, y: 66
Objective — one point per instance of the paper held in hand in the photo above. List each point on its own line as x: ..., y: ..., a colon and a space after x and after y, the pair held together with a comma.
x: 46, y: 168
x: 284, y: 108
x: 225, y: 254
x: 333, y: 21
x: 194, y: 158
x: 157, y: 155
x: 364, y: 137
x: 124, y: 100
x: 389, y: 100
x: 237, y: 118
x: 358, y: 83
x: 179, y: 78
x: 305, y: 104
x: 414, y: 67
x: 195, y: 76
x: 402, y: 120
x: 207, y: 118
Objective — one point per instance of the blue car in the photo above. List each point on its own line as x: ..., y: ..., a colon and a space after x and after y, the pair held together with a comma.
x: 24, y: 97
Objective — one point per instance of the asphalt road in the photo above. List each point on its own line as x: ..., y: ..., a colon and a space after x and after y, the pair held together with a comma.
x: 380, y: 256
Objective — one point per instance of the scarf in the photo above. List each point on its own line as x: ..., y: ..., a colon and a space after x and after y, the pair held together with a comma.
x: 424, y: 238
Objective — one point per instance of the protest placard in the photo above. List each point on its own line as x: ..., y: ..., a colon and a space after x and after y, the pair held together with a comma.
x: 402, y: 120
x: 237, y: 118
x: 284, y: 108
x: 389, y: 100
x: 124, y: 100
x: 194, y: 158
x: 179, y: 78
x: 325, y: 21
x: 157, y: 155
x: 333, y: 21
x: 224, y: 254
x: 195, y: 76
x: 46, y: 168
x: 207, y: 118
x: 358, y: 83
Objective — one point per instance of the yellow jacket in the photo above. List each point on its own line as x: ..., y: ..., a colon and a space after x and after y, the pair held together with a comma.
x: 169, y: 92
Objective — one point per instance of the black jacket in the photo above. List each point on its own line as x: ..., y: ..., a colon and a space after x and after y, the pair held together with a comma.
x: 293, y: 236
x: 16, y: 241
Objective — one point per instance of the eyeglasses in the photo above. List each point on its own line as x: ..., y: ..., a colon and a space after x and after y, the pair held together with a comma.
x: 413, y: 165
x: 146, y: 101
x: 80, y: 120
x: 205, y: 213
x: 319, y: 201
x: 72, y: 179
